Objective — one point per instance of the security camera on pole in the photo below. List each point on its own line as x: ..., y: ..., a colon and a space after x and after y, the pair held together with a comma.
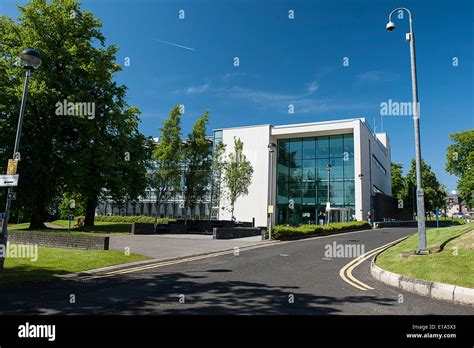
x: 30, y: 59
x: 420, y: 203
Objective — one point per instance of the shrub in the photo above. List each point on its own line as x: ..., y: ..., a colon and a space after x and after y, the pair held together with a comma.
x: 130, y: 219
x: 304, y: 231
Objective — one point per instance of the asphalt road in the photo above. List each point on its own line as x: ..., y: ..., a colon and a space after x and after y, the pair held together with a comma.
x: 283, y: 278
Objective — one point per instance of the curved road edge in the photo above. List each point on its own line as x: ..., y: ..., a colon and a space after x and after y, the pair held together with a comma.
x: 435, y: 290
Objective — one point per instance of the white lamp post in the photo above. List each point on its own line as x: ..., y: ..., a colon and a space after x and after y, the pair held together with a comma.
x: 416, y: 119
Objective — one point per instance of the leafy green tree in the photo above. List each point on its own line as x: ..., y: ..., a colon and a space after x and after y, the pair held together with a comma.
x: 64, y: 152
x: 168, y: 158
x: 460, y: 162
x: 435, y: 193
x: 71, y: 203
x: 398, y: 181
x: 197, y: 168
x: 238, y: 173
x: 217, y: 169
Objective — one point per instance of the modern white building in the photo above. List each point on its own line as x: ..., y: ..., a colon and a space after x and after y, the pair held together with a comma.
x: 293, y: 180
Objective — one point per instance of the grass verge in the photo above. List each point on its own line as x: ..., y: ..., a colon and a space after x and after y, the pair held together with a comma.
x: 453, y: 264
x: 52, y: 261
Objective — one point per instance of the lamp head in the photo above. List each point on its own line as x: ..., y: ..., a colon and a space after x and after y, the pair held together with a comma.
x: 30, y: 59
x: 390, y: 26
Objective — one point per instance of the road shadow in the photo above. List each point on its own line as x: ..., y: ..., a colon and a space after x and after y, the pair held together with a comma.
x: 175, y: 293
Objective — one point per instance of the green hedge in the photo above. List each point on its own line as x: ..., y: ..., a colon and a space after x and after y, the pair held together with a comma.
x: 130, y: 219
x: 287, y: 232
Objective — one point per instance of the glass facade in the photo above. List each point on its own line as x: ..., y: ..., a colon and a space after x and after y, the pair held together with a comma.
x: 302, y: 179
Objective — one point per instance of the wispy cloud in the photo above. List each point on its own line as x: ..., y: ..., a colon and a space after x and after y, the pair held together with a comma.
x: 376, y: 76
x: 306, y: 101
x: 233, y: 74
x: 174, y: 44
x: 313, y: 87
x: 196, y: 89
x: 303, y: 102
x: 260, y: 96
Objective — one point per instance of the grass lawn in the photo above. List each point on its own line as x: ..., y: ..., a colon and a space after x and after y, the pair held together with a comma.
x: 22, y: 226
x: 100, y: 227
x: 53, y: 261
x: 453, y: 265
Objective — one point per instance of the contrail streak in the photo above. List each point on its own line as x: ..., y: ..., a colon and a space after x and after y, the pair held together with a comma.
x: 176, y: 45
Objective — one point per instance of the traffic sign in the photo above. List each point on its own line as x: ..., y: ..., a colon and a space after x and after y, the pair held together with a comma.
x: 12, y: 166
x: 9, y: 180
x: 71, y: 217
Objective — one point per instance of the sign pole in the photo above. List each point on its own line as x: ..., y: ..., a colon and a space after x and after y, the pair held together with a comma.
x: 4, y: 235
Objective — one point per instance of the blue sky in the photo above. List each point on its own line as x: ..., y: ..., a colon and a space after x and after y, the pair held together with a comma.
x: 297, y: 62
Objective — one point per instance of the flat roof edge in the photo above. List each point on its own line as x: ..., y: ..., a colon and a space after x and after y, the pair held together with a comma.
x: 346, y: 120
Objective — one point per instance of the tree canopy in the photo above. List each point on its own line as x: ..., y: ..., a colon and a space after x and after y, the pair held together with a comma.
x: 398, y: 181
x: 238, y: 173
x: 168, y: 157
x: 435, y: 193
x: 460, y: 162
x: 197, y: 158
x: 60, y: 151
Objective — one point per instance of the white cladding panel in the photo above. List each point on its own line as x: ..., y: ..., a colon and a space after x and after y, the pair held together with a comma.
x: 254, y: 205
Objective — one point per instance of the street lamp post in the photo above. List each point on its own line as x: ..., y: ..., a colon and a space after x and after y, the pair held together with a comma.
x: 30, y: 59
x: 270, y: 206
x: 361, y: 177
x: 416, y: 119
x: 328, y: 206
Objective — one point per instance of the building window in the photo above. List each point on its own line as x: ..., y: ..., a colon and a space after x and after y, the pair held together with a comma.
x: 217, y: 137
x: 379, y: 165
x: 377, y: 190
x: 302, y: 177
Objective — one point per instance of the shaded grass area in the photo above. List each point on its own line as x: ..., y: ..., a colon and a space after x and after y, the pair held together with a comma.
x: 100, y: 227
x: 453, y: 264
x: 51, y: 261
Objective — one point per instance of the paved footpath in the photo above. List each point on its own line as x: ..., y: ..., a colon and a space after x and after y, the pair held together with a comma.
x: 163, y: 247
x: 281, y: 278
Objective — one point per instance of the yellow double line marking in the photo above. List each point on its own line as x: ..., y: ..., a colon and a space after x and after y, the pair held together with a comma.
x: 346, y: 272
x: 165, y: 263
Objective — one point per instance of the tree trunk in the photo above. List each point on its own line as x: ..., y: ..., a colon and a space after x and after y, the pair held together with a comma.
x: 38, y: 215
x: 158, y: 207
x: 37, y: 220
x: 90, y: 212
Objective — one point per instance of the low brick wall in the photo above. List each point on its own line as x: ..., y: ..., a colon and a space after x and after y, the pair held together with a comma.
x: 413, y: 223
x: 143, y: 228
x: 59, y: 240
x: 237, y: 232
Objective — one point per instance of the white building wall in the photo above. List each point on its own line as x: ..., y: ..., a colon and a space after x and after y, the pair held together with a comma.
x: 254, y: 205
x: 257, y: 138
x: 365, y: 146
